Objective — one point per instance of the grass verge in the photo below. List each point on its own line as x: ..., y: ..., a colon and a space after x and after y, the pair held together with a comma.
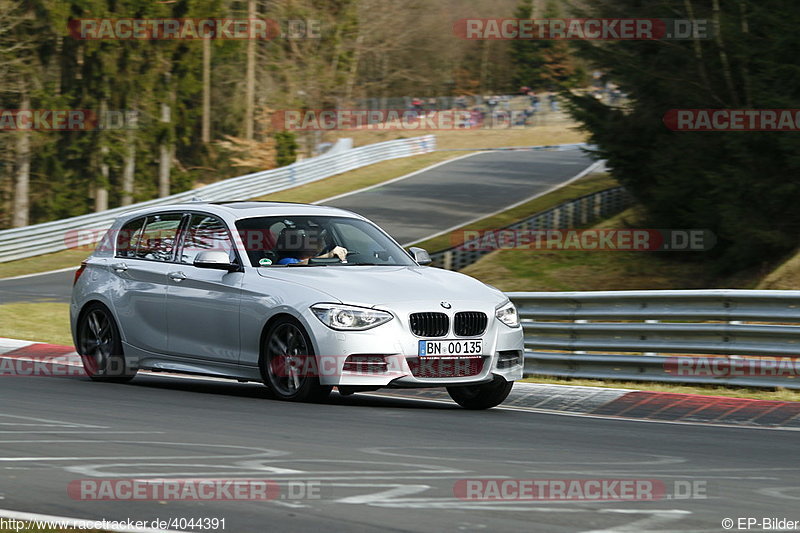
x: 555, y: 132
x: 43, y: 263
x: 41, y: 322
x: 784, y: 395
x: 554, y: 270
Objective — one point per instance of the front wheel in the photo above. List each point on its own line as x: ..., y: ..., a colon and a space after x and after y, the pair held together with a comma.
x: 481, y: 396
x: 288, y: 366
x: 100, y: 346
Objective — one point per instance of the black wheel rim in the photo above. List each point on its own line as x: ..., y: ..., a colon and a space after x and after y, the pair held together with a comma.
x: 287, y: 354
x: 97, y: 340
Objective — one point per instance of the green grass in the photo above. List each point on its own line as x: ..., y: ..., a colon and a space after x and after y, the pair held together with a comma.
x: 576, y: 189
x: 43, y: 263
x: 553, y: 270
x: 785, y: 395
x: 42, y: 322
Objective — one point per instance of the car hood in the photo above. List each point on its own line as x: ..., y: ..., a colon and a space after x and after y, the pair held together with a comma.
x: 382, y: 286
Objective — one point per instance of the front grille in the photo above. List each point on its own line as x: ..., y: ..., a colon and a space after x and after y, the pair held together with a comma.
x: 445, y: 367
x: 470, y: 323
x: 429, y: 324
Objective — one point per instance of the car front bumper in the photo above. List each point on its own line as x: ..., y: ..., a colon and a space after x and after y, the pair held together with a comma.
x: 502, y: 356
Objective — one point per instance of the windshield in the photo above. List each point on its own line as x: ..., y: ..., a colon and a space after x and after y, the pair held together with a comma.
x: 317, y: 240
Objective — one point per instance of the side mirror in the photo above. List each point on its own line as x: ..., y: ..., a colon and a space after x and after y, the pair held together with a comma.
x: 215, y: 260
x: 420, y: 255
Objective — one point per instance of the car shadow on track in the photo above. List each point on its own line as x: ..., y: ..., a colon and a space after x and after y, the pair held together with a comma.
x: 393, y: 398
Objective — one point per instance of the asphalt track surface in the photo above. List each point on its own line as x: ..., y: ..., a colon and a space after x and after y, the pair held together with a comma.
x: 377, y: 463
x: 411, y: 209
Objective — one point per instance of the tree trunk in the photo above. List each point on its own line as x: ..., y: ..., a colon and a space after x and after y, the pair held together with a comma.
x: 250, y: 77
x: 101, y: 190
x: 723, y: 54
x: 206, y: 130
x: 351, y: 76
x: 129, y: 164
x: 166, y: 148
x: 698, y: 54
x: 165, y: 155
x: 23, y: 164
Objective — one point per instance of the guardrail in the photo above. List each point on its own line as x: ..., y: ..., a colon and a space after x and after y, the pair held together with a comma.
x: 726, y: 337
x: 30, y: 241
x: 571, y: 214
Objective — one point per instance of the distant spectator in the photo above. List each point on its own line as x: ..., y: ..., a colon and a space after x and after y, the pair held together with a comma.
x: 553, y: 102
x: 535, y: 101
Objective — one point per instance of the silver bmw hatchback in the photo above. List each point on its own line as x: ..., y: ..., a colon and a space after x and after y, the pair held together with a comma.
x: 302, y: 298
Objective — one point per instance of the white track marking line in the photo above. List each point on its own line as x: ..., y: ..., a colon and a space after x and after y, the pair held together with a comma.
x: 57, y: 423
x: 394, y: 180
x: 588, y: 170
x: 656, y: 518
x: 23, y: 276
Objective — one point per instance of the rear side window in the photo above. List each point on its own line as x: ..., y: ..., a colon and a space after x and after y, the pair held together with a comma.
x: 128, y: 238
x: 205, y: 233
x: 157, y: 241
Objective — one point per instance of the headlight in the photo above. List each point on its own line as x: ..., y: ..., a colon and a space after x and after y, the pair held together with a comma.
x: 507, y: 314
x: 348, y: 317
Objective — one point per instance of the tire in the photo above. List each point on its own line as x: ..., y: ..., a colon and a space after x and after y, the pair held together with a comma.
x: 481, y: 396
x: 287, y: 348
x: 100, y: 346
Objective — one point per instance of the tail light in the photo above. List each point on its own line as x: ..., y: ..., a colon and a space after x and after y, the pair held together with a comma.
x: 79, y: 272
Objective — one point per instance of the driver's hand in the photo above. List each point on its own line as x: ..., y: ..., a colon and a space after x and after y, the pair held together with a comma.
x: 340, y: 252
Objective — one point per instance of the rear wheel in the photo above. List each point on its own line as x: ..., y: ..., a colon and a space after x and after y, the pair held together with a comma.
x: 481, y: 396
x: 288, y: 366
x: 100, y: 346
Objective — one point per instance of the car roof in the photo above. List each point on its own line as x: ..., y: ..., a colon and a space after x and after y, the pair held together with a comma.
x: 248, y: 209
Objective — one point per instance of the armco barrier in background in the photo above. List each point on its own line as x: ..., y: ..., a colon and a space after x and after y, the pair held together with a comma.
x: 726, y: 337
x: 574, y: 213
x: 30, y: 241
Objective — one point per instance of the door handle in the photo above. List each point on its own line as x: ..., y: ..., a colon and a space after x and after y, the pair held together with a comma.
x: 177, y: 276
x: 120, y: 267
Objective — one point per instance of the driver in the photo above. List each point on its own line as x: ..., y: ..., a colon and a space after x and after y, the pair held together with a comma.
x: 297, y: 246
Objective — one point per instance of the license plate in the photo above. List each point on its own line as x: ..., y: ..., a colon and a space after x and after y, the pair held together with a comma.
x: 450, y: 347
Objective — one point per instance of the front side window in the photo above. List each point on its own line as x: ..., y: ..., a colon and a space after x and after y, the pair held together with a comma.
x: 205, y: 233
x: 157, y: 241
x: 315, y: 240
